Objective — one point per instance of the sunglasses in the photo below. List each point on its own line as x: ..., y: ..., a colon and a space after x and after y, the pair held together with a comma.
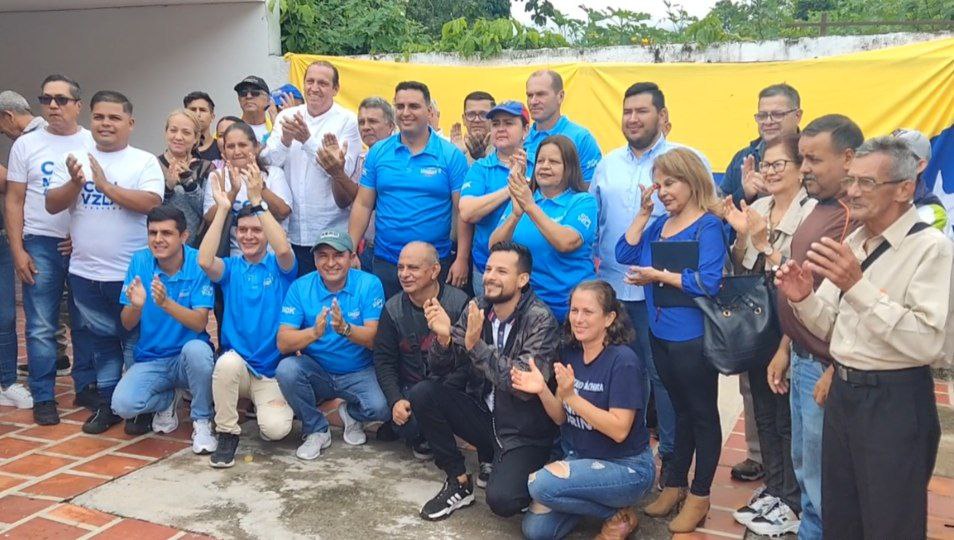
x: 60, y: 100
x: 251, y: 92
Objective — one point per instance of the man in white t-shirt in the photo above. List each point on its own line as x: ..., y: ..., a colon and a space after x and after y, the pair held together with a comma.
x: 107, y: 191
x: 317, y: 144
x: 39, y: 240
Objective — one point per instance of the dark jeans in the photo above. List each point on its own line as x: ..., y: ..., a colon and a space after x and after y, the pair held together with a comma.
x: 99, y: 338
x: 443, y: 412
x: 665, y: 415
x: 693, y: 385
x: 8, y: 316
x: 387, y: 273
x: 507, y: 490
x: 773, y: 419
x: 879, y: 445
x: 306, y: 259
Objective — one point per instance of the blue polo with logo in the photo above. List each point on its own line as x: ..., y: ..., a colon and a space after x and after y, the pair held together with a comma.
x: 586, y: 146
x: 485, y: 176
x: 414, y: 193
x: 253, y: 294
x: 555, y: 274
x: 161, y: 335
x: 361, y: 300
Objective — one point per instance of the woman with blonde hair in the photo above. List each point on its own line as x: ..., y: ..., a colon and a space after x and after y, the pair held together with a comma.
x: 185, y: 174
x: 690, y: 235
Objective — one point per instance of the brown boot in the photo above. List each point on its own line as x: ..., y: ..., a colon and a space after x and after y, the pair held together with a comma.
x: 620, y: 526
x: 666, y: 502
x: 692, y: 515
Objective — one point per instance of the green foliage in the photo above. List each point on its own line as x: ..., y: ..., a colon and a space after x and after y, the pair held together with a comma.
x: 432, y: 14
x: 487, y: 38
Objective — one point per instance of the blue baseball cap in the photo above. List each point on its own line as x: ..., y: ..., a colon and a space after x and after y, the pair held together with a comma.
x: 285, y: 89
x: 513, y: 108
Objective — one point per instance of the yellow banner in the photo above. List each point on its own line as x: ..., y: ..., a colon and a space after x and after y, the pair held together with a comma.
x: 711, y: 105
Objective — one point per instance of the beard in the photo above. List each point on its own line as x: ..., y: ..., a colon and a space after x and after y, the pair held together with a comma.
x: 642, y: 143
x: 501, y: 297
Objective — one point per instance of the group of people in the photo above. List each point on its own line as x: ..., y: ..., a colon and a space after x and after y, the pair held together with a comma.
x: 499, y: 285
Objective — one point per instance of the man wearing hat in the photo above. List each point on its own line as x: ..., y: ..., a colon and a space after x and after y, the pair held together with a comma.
x: 331, y: 317
x: 930, y: 208
x: 254, y: 98
x: 484, y: 195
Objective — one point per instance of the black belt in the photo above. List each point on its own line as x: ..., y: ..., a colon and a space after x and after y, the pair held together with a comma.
x: 858, y: 377
x: 805, y: 353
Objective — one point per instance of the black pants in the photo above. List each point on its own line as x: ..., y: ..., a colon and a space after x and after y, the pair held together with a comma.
x: 693, y: 386
x: 306, y: 259
x: 507, y: 492
x: 387, y: 273
x: 879, y: 445
x: 773, y: 420
x: 443, y: 412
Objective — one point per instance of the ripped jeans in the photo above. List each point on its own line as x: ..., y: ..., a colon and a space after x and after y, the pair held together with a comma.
x: 594, y: 487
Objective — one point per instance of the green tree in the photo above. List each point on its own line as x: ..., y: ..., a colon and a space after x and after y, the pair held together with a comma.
x: 432, y: 14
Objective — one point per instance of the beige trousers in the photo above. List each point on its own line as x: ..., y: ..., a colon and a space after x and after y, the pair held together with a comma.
x: 232, y: 380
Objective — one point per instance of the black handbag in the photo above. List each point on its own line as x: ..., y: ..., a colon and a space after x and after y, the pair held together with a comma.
x: 742, y: 330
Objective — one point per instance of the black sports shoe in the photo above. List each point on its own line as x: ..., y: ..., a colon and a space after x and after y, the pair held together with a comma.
x: 44, y: 413
x: 422, y: 450
x: 139, y: 424
x: 62, y: 366
x: 224, y: 455
x: 386, y: 432
x: 483, y: 474
x: 451, y: 497
x: 87, y: 397
x: 747, y: 471
x: 101, y: 420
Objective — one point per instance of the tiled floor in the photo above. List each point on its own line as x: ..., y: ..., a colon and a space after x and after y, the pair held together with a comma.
x: 43, y: 467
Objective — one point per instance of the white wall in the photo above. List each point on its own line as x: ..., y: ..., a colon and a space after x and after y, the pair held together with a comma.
x: 154, y: 55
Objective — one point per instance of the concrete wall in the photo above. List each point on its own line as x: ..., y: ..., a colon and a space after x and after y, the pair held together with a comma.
x: 155, y: 55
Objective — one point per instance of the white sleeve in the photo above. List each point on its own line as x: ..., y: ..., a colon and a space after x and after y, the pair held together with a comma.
x: 275, y: 152
x: 17, y: 164
x: 151, y: 179
x: 277, y: 184
x: 207, y: 200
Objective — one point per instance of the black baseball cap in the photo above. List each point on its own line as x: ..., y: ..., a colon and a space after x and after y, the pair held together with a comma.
x: 254, y: 82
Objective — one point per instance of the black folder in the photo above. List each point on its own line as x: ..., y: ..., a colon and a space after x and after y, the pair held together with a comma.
x: 674, y: 257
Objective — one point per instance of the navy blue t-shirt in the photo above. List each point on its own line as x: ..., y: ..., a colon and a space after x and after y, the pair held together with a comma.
x: 616, y: 379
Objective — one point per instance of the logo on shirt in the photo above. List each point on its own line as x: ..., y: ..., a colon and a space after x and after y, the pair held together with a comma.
x: 354, y: 314
x: 466, y: 185
x: 585, y: 220
x: 207, y: 290
x: 288, y: 310
x: 46, y: 171
x: 378, y: 302
x: 430, y: 171
x: 267, y: 281
x: 94, y: 198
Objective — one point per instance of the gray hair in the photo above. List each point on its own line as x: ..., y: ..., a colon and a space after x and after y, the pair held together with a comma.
x: 433, y: 105
x: 782, y: 89
x: 381, y: 104
x: 14, y: 102
x: 432, y: 257
x: 904, y: 164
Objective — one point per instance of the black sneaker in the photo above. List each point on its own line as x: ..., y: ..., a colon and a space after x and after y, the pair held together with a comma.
x: 23, y: 368
x: 451, y: 497
x: 748, y: 471
x: 224, y: 455
x: 88, y: 397
x: 483, y: 474
x: 422, y: 450
x: 139, y: 425
x: 386, y: 432
x: 62, y: 366
x: 44, y: 413
x: 101, y: 420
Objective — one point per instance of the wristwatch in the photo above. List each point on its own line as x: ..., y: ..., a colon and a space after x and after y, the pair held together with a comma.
x: 260, y: 207
x: 347, y: 330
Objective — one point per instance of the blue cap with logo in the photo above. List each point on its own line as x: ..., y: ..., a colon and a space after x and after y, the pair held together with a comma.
x: 513, y: 108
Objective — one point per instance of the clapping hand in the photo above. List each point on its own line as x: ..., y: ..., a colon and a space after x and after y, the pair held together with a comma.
x: 834, y: 261
x: 735, y: 217
x: 321, y: 322
x: 75, y: 169
x: 159, y: 296
x: 530, y: 381
x: 794, y: 280
x: 437, y: 320
x: 331, y: 157
x: 753, y: 183
x: 477, y: 144
x: 294, y: 128
x: 254, y: 184
x: 475, y: 325
x: 136, y: 293
x: 338, y: 322
x: 565, y: 380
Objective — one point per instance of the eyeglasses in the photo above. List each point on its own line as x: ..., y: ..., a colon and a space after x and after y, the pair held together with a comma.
x: 777, y: 166
x: 776, y: 116
x: 251, y: 92
x: 62, y: 101
x: 865, y: 184
x: 474, y: 116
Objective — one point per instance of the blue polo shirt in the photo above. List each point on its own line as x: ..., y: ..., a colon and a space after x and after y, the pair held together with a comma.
x: 253, y: 295
x: 485, y: 176
x: 555, y: 274
x: 161, y: 335
x: 414, y: 193
x: 586, y: 145
x: 361, y: 300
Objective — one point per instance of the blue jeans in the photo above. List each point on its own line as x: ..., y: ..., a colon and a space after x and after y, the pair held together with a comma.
x: 477, y: 280
x: 594, y: 488
x: 8, y: 316
x: 150, y: 386
x: 807, y: 422
x: 305, y: 383
x: 665, y: 414
x: 99, y: 338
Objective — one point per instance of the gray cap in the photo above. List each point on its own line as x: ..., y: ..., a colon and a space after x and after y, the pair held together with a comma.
x: 916, y: 141
x: 12, y: 101
x: 338, y: 240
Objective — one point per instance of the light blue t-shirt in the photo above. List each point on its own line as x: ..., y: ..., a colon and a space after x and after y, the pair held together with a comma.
x: 586, y: 146
x: 555, y: 274
x: 485, y: 176
x: 361, y: 300
x: 253, y: 295
x: 414, y: 193
x: 161, y: 335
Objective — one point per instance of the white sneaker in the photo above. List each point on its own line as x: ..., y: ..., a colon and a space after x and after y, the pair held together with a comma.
x: 203, y: 441
x: 777, y: 521
x: 16, y: 395
x: 353, y: 430
x: 313, y: 445
x: 758, y: 505
x: 168, y: 420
